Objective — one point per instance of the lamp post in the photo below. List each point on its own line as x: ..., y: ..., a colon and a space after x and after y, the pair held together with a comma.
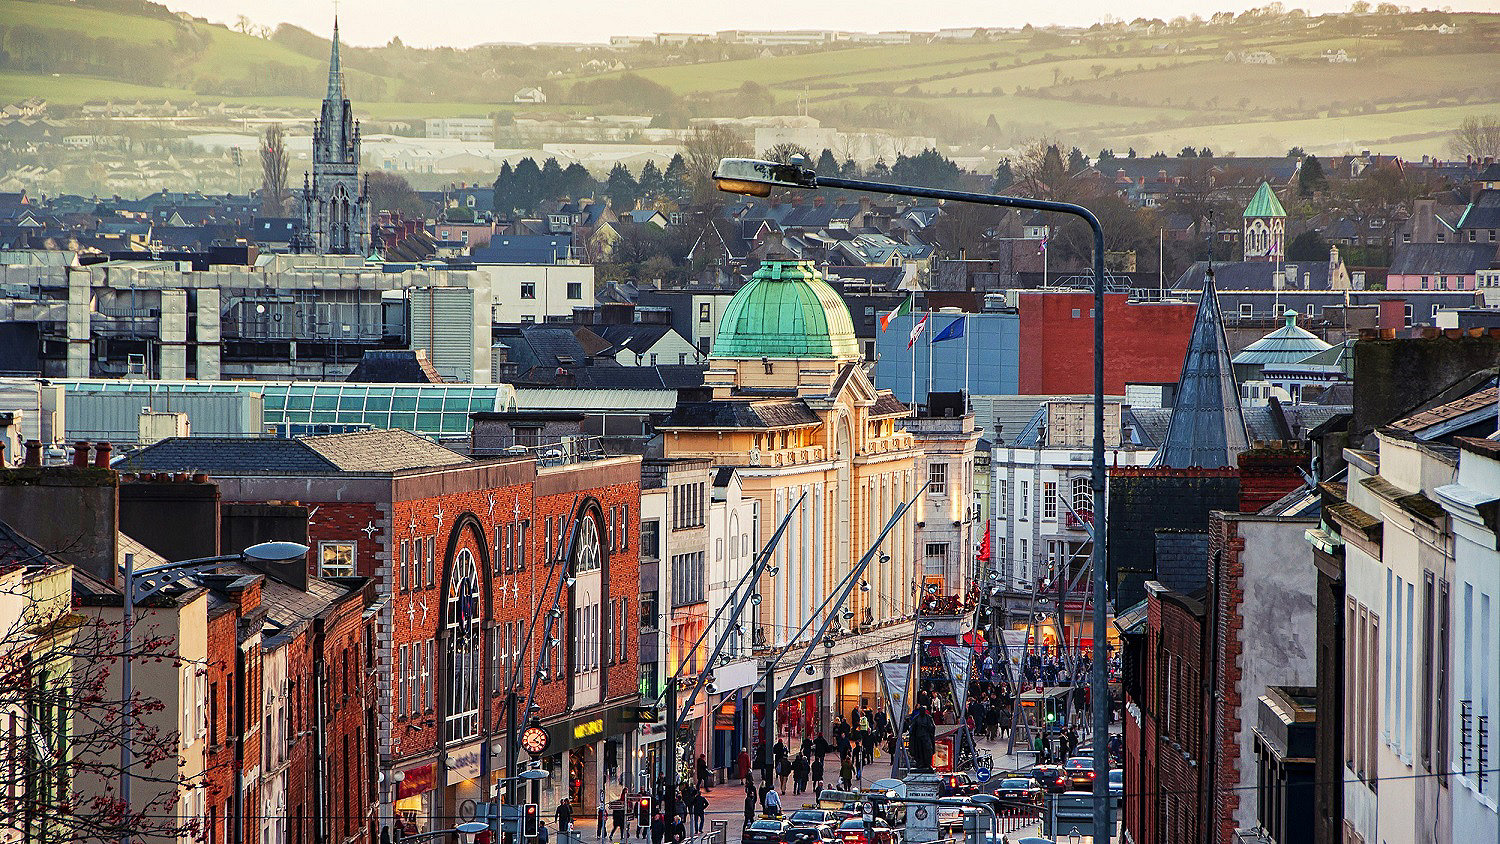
x: 141, y: 585
x: 467, y: 831
x: 757, y: 178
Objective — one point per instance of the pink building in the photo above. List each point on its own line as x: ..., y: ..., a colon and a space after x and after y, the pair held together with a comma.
x: 1439, y: 266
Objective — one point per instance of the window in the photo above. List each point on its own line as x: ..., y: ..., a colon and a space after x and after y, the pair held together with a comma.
x: 528, y: 290
x: 937, y: 549
x: 869, y: 316
x: 704, y: 345
x: 1444, y: 613
x: 937, y: 478
x: 1002, y: 497
x: 1025, y: 503
x: 1247, y: 310
x: 688, y: 579
x: 650, y: 543
x: 586, y: 552
x: 1083, y: 496
x: 1049, y: 501
x: 575, y: 290
x: 461, y: 617
x: 335, y: 559
x: 405, y: 564
x: 705, y: 312
x: 1429, y: 596
x: 431, y: 561
x: 649, y: 620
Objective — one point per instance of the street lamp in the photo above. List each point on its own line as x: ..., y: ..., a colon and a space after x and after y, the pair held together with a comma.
x: 752, y: 177
x: 141, y: 585
x: 467, y: 831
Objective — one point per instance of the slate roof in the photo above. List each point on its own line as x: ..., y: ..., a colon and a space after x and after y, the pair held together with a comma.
x: 1484, y: 211
x: 1455, y: 415
x: 17, y: 550
x: 395, y: 366
x: 773, y: 413
x: 523, y: 249
x: 391, y: 450
x: 1207, y: 430
x: 888, y: 405
x: 1442, y: 258
x: 1252, y: 275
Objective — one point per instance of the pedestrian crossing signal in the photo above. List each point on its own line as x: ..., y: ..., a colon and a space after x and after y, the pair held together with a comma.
x: 530, y: 821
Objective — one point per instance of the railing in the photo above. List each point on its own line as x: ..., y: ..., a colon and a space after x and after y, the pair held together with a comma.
x: 1081, y: 520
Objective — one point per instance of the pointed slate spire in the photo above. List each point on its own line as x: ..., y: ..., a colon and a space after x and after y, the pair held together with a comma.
x: 335, y: 74
x: 1207, y: 430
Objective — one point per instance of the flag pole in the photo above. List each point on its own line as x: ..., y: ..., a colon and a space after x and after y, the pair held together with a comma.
x: 929, y: 356
x: 965, y: 318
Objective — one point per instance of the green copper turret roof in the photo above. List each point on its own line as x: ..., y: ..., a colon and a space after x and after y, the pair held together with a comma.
x: 1264, y: 204
x: 786, y: 310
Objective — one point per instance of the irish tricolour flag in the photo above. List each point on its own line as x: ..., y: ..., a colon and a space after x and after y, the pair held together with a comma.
x: 903, y: 308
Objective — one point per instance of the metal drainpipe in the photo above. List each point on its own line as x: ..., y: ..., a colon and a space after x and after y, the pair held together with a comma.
x: 320, y: 782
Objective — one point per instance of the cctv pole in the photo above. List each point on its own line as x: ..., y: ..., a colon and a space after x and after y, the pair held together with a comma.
x: 674, y: 757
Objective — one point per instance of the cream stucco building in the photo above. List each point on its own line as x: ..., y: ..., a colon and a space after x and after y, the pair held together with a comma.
x: 794, y: 413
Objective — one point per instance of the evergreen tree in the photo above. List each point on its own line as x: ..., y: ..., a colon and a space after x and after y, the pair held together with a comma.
x: 880, y: 171
x: 504, y: 183
x: 827, y: 164
x: 849, y: 169
x: 526, y: 183
x: 929, y: 168
x: 550, y: 184
x: 621, y: 188
x: 1004, y: 176
x: 675, y: 179
x: 578, y: 181
x: 1310, y: 179
x: 1077, y: 161
x: 651, y: 182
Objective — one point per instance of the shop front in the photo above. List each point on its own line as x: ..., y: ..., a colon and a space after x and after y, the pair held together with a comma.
x: 415, y: 796
x: 588, y: 759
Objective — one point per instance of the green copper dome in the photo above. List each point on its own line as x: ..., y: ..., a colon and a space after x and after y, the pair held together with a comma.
x: 1264, y: 203
x: 786, y: 311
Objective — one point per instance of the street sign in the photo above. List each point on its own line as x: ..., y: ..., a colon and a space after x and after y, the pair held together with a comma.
x: 982, y: 774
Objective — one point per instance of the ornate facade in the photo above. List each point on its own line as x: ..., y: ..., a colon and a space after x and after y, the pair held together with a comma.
x: 335, y: 209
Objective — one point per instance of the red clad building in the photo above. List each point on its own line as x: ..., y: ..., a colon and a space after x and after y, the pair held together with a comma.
x: 1144, y: 342
x: 495, y: 575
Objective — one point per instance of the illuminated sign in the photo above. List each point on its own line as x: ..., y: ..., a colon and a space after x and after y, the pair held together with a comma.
x: 587, y: 729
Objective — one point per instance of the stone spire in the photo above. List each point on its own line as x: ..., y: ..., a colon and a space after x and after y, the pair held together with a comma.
x: 336, y: 214
x: 335, y: 72
x: 1207, y: 430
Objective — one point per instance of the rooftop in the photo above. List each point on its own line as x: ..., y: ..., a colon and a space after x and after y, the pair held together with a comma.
x: 786, y: 311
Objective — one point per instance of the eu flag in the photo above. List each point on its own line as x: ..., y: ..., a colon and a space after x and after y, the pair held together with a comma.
x: 954, y: 331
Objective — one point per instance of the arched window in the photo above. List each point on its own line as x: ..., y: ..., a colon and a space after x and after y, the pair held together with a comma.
x: 587, y: 558
x: 461, y: 617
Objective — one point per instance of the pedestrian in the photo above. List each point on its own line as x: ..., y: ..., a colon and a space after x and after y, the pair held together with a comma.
x: 773, y: 803
x: 602, y: 831
x: 700, y: 808
x: 705, y: 779
x: 799, y: 774
x: 541, y: 833
x: 816, y: 769
x: 617, y: 818
x: 742, y: 766
x: 783, y: 770
x: 846, y: 772
x: 564, y: 816
x: 749, y: 802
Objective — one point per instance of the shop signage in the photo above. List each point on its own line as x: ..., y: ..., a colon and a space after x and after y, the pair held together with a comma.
x: 587, y: 729
x: 464, y: 763
x: 724, y: 716
x: 638, y: 715
x: 736, y: 675
x: 418, y: 780
x: 583, y: 730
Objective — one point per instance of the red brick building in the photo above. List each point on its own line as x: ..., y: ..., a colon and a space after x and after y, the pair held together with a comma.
x: 1165, y: 721
x: 495, y: 575
x: 1144, y: 342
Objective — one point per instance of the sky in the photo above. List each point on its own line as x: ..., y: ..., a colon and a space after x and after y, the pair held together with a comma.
x: 464, y: 23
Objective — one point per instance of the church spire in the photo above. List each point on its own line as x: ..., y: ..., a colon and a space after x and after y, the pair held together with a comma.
x: 335, y: 74
x: 1207, y: 429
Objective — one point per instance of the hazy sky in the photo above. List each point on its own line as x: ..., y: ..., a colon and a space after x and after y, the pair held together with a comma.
x: 463, y: 23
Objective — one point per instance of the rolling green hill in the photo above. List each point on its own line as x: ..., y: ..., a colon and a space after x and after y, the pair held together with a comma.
x: 1152, y: 87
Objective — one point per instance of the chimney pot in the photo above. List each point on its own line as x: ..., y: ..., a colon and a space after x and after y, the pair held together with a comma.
x: 33, y: 453
x: 81, y: 454
x: 200, y: 477
x: 101, y: 455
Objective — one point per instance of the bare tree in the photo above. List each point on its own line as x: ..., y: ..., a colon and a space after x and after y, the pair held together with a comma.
x: 783, y: 152
x: 274, y: 196
x: 1477, y: 137
x: 704, y: 147
x: 61, y: 702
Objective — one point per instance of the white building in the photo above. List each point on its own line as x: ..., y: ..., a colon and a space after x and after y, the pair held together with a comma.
x: 1399, y: 588
x: 1471, y: 504
x: 461, y: 128
x: 535, y: 293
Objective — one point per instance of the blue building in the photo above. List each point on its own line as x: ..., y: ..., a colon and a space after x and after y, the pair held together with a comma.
x: 992, y: 342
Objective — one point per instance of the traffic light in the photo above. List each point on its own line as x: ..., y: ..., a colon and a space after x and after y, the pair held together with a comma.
x: 1051, y: 716
x: 643, y: 810
x: 530, y: 821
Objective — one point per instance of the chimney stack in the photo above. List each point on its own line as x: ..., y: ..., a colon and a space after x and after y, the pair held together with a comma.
x: 80, y: 454
x: 33, y: 453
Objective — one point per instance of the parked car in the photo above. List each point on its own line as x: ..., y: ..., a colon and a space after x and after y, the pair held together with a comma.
x: 812, y: 817
x: 1116, y: 784
x: 958, y: 784
x: 1018, y: 789
x: 1080, y: 771
x: 1052, y: 778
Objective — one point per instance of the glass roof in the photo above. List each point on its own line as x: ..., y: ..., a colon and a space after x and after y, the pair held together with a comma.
x: 432, y: 410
